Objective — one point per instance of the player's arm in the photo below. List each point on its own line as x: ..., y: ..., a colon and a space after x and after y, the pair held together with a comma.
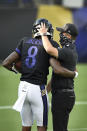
x: 48, y: 87
x: 8, y: 62
x: 46, y: 43
x: 58, y: 69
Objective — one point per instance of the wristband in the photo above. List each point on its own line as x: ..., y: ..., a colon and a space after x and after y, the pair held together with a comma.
x: 76, y: 74
x: 44, y: 34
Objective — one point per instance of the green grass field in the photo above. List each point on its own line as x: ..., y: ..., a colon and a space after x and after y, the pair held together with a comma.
x: 10, y: 120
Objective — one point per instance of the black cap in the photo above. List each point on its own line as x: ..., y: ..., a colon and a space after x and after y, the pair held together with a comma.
x: 68, y: 28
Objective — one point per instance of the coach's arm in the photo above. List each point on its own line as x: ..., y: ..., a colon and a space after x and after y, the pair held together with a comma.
x: 58, y: 69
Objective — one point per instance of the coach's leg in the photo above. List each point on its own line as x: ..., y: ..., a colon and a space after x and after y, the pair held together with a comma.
x: 26, y: 128
x: 39, y: 128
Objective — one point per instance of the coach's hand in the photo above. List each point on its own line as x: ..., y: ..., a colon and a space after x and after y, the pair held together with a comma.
x: 43, y: 29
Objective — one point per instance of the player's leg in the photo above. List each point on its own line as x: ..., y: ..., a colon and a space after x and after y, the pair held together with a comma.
x: 26, y: 112
x: 26, y: 116
x: 41, y: 128
x: 26, y: 128
x: 40, y: 107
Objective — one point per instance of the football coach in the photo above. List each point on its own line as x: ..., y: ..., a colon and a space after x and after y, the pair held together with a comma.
x: 63, y: 95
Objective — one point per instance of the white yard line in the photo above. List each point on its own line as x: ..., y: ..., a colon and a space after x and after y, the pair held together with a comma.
x: 5, y: 107
x: 81, y: 102
x: 76, y: 103
x: 77, y: 129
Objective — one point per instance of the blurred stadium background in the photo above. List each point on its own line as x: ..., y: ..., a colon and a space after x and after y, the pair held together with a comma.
x: 16, y: 18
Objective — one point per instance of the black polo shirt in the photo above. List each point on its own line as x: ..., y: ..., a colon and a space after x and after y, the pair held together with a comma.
x: 68, y: 59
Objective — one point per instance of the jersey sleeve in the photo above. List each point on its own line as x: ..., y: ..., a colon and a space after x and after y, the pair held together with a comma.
x: 19, y: 47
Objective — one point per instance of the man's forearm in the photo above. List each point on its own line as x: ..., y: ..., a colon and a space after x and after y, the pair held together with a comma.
x: 48, y: 87
x: 8, y: 62
x: 48, y: 47
x: 46, y: 43
x: 64, y: 72
x: 58, y: 69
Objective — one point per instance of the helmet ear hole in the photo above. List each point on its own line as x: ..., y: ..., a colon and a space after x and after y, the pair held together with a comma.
x: 48, y: 25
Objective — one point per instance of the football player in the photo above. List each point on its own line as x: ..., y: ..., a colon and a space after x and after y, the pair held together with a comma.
x: 33, y: 66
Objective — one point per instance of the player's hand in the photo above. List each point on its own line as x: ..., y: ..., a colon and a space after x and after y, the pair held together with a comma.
x: 14, y: 70
x: 43, y: 29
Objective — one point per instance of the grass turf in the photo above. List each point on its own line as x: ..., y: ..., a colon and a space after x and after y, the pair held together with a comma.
x: 10, y: 119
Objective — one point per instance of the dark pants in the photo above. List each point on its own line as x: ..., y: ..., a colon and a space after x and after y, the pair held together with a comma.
x: 62, y: 104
